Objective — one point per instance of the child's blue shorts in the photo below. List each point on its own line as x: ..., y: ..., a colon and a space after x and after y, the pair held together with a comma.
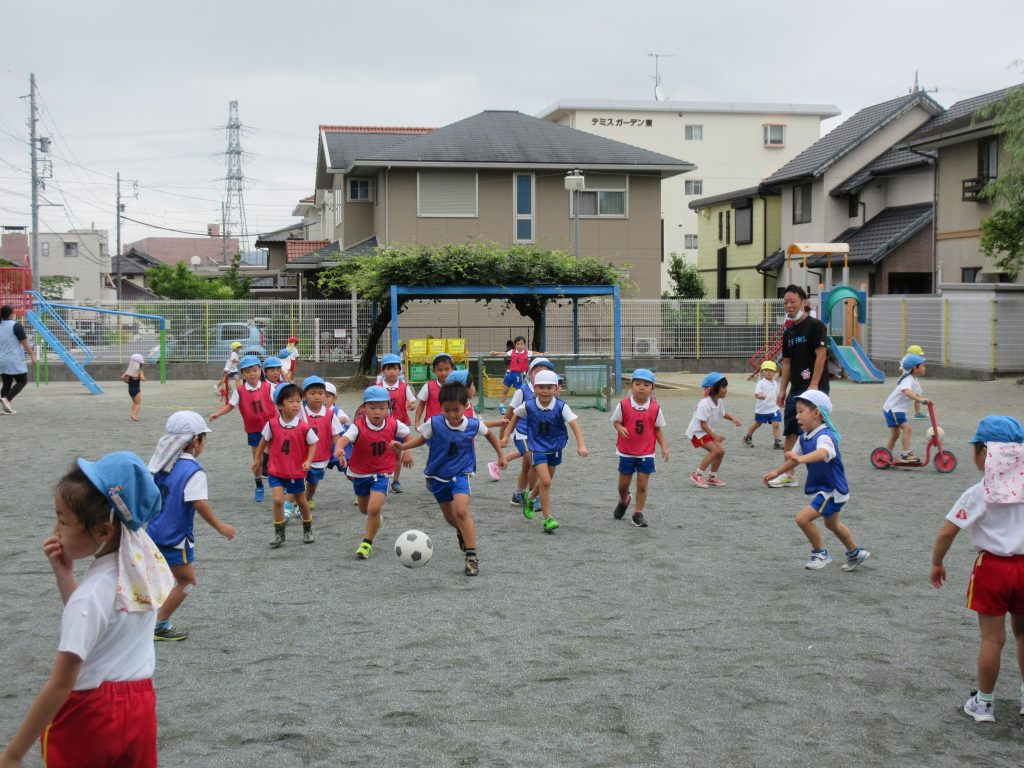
x: 826, y: 507
x: 183, y: 556
x: 630, y: 464
x: 894, y: 418
x: 768, y: 418
x: 552, y: 459
x: 253, y: 438
x: 315, y: 475
x: 290, y: 486
x: 520, y: 445
x: 364, y: 485
x: 445, y: 490
x: 513, y: 379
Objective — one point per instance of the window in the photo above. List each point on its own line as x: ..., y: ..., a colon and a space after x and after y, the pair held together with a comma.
x: 690, y: 242
x: 802, y: 204
x: 988, y: 158
x: 969, y: 274
x: 70, y: 249
x: 720, y: 215
x: 360, y: 190
x: 774, y: 135
x: 447, y: 194
x: 523, y: 191
x: 45, y: 248
x: 853, y: 206
x: 693, y: 186
x: 694, y: 132
x: 728, y: 226
x: 744, y: 222
x: 605, y: 195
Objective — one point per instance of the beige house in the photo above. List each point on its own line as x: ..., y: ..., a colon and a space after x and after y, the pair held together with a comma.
x: 495, y: 177
x: 970, y: 154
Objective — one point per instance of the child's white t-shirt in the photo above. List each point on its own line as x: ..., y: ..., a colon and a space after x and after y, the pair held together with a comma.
x: 898, y: 401
x: 708, y: 411
x: 995, y: 528
x: 114, y: 645
x: 231, y: 366
x: 770, y: 390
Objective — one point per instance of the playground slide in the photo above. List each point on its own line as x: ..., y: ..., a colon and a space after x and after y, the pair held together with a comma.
x: 856, y: 363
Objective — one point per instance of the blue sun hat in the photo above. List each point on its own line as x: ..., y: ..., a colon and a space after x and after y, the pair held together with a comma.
x: 710, y: 380
x: 643, y: 374
x: 312, y: 381
x: 125, y: 480
x: 248, y: 362
x: 541, y: 361
x: 285, y: 352
x: 458, y: 377
x: 442, y: 356
x: 376, y: 394
x: 281, y: 388
x: 998, y: 429
x: 272, y: 362
x: 390, y: 359
x: 910, y: 362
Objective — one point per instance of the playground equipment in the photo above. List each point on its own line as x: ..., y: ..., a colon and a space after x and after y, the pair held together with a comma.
x: 945, y: 461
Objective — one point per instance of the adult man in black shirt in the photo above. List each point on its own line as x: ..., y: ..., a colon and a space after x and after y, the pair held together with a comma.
x: 804, y: 356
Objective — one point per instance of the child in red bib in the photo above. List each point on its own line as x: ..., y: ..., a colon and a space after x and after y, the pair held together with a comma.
x: 639, y: 422
x: 518, y: 363
x: 429, y: 396
x: 402, y: 401
x: 254, y: 402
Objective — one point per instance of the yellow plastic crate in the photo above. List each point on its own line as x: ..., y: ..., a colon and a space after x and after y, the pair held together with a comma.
x: 493, y: 385
x: 435, y: 347
x: 416, y: 350
x: 455, y: 347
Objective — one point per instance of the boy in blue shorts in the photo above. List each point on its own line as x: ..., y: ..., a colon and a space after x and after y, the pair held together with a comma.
x: 328, y: 429
x: 639, y: 422
x: 254, y: 402
x: 518, y: 361
x: 451, y: 461
x: 546, y: 417
x: 182, y: 484
x: 818, y: 448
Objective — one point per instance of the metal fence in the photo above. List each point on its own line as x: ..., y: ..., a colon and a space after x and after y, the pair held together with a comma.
x: 961, y: 330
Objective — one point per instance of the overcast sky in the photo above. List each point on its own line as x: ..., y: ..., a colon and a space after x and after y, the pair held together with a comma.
x: 140, y: 87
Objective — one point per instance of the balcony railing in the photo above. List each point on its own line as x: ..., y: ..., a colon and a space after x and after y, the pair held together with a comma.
x: 971, y: 188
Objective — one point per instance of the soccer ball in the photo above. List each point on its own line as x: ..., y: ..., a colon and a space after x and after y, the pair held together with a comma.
x: 414, y: 549
x: 942, y: 433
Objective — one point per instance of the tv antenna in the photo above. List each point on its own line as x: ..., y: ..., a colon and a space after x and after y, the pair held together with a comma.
x: 918, y: 88
x: 659, y: 92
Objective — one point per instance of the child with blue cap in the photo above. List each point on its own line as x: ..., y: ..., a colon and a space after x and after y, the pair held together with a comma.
x: 287, y: 364
x: 402, y: 400
x: 818, y: 448
x: 98, y: 706
x: 993, y: 512
x: 701, y: 430
x: 908, y: 390
x: 429, y: 396
x: 640, y: 425
x: 327, y: 426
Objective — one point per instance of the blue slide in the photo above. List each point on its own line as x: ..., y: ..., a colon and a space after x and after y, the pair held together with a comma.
x: 856, y: 363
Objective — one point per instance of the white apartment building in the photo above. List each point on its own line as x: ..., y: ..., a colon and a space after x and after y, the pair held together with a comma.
x: 733, y: 144
x: 81, y: 254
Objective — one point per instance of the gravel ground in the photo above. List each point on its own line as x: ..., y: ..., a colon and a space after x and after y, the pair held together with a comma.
x: 700, y: 640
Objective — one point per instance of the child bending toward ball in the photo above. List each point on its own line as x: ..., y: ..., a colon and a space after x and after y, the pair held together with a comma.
x: 993, y: 512
x: 98, y: 706
x: 451, y: 461
x: 818, y: 448
x: 639, y: 422
x: 701, y: 430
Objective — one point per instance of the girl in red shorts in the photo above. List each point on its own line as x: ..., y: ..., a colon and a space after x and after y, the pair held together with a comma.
x: 993, y: 512
x: 98, y: 707
x: 701, y: 431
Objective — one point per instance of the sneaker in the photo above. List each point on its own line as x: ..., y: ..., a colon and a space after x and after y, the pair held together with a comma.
x: 698, y: 479
x: 908, y: 457
x: 639, y: 520
x: 396, y: 486
x: 312, y: 504
x: 278, y: 541
x: 363, y: 550
x: 715, y: 481
x: 981, y: 711
x: 818, y: 560
x: 852, y: 562
x: 779, y: 446
x: 472, y: 565
x: 501, y: 410
x: 748, y: 441
x: 260, y: 492
x: 462, y: 541
x: 528, y: 510
x: 550, y: 524
x: 920, y: 415
x: 5, y: 405
x: 290, y: 510
x: 784, y: 481
x: 621, y: 507
x: 307, y: 533
x: 517, y: 499
x: 169, y: 633
x: 495, y: 471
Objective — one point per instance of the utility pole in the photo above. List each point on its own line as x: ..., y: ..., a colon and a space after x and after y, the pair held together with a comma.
x: 118, y: 211
x: 32, y: 118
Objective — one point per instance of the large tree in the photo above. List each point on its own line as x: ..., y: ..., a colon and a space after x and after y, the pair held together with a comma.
x: 1002, y: 233
x: 482, y: 264
x: 181, y: 282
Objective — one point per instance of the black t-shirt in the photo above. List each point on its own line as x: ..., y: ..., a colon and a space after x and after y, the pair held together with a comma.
x: 799, y: 344
x: 19, y: 331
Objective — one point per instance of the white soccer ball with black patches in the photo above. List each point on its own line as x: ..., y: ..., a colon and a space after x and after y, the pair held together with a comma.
x: 414, y: 549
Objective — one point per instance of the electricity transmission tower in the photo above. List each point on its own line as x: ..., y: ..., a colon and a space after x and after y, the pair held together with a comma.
x: 233, y: 210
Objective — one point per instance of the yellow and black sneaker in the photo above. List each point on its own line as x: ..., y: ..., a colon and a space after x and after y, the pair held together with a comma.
x: 363, y: 550
x: 165, y: 631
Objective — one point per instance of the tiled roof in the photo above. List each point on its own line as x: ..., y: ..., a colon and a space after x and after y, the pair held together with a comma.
x: 884, y: 233
x: 957, y: 118
x: 295, y: 249
x: 132, y: 292
x: 896, y: 160
x: 725, y: 197
x: 772, y: 261
x: 818, y: 157
x: 344, y: 146
x: 332, y: 253
x: 374, y: 129
x: 280, y: 235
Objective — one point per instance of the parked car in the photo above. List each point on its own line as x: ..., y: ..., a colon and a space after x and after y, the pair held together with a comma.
x: 192, y: 344
x: 89, y: 331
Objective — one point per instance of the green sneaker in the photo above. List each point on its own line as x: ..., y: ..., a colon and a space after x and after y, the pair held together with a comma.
x: 312, y: 504
x: 363, y: 550
x: 528, y: 510
x: 550, y: 524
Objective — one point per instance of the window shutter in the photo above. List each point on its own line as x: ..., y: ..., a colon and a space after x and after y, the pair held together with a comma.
x: 447, y: 194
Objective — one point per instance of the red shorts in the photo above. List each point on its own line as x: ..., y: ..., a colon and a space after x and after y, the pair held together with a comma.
x: 997, y: 585
x: 701, y: 441
x: 113, y: 725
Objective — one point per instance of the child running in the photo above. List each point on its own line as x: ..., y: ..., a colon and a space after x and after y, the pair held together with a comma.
x: 429, y: 401
x: 133, y: 376
x: 292, y: 443
x: 639, y: 422
x: 546, y: 417
x: 451, y: 461
x: 287, y: 365
x: 98, y: 707
x: 331, y: 400
x: 372, y: 459
x: 907, y: 390
x: 818, y: 448
x: 518, y: 360
x: 183, y: 486
x: 256, y: 405
x: 701, y: 430
x: 327, y: 426
x: 401, y: 398
x: 993, y: 512
x: 766, y: 409
x: 293, y: 354
x: 223, y: 387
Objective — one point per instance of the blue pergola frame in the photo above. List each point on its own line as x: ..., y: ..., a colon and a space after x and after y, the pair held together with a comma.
x: 574, y: 292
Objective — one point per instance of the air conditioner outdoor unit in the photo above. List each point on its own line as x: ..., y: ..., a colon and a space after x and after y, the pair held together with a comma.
x: 647, y: 347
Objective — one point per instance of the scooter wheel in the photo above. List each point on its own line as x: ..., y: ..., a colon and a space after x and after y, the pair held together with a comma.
x: 945, y: 462
x: 881, y: 458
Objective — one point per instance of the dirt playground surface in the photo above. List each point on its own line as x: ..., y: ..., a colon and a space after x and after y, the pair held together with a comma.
x: 698, y: 641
